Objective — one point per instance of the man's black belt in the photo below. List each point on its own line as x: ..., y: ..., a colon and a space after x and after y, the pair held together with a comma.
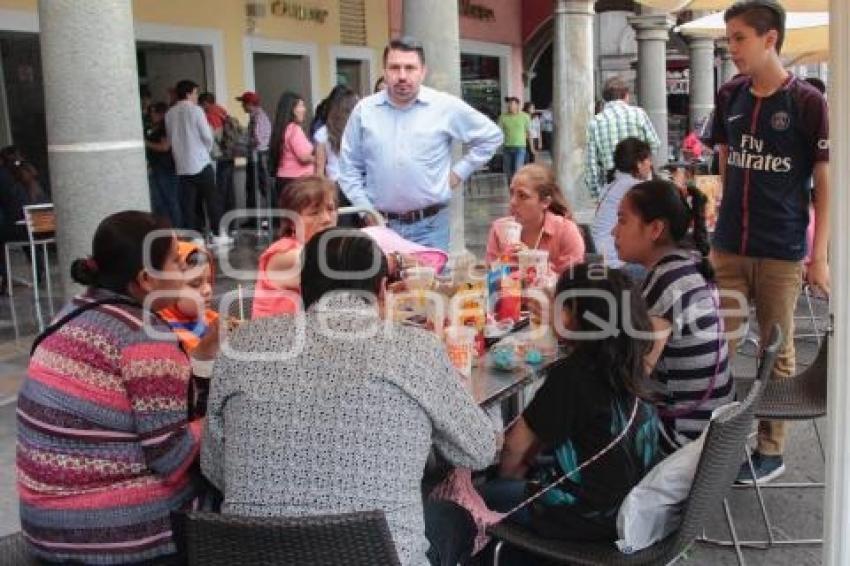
x: 415, y: 215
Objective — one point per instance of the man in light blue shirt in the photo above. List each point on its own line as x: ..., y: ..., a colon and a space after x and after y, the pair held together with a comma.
x: 396, y: 151
x: 191, y: 139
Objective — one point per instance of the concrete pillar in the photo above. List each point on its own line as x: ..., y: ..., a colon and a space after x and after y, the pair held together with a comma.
x: 94, y: 128
x: 572, y: 103
x: 727, y: 67
x: 527, y: 77
x: 652, y: 34
x: 837, y: 497
x: 435, y: 23
x: 702, y: 79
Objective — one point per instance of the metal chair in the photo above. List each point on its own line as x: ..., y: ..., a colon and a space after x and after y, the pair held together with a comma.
x: 40, y: 221
x: 820, y: 324
x: 15, y: 552
x: 717, y: 468
x: 351, y: 539
x: 798, y: 398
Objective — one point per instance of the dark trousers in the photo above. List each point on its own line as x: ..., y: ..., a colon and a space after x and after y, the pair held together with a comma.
x: 280, y: 185
x: 256, y: 172
x: 450, y: 531
x: 196, y: 190
x: 224, y: 182
x: 165, y: 195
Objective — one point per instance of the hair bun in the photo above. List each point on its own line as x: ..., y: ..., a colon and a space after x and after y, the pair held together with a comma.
x: 84, y: 271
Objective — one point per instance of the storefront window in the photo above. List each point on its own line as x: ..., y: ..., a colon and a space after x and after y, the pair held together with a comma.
x: 480, y: 83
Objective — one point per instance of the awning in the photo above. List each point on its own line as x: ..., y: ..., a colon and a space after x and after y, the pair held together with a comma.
x: 806, y: 33
x: 708, y: 5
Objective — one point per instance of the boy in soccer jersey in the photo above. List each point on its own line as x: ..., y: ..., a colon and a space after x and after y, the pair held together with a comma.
x: 772, y: 131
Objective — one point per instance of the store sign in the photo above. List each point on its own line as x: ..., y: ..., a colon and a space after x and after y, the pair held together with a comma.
x: 299, y: 11
x: 678, y: 82
x: 477, y: 11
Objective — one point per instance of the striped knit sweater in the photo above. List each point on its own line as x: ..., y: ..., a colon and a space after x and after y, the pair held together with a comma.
x: 104, y: 446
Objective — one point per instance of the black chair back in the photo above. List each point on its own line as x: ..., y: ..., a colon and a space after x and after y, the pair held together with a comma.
x: 589, y: 244
x: 354, y: 539
x: 14, y: 551
x: 800, y: 397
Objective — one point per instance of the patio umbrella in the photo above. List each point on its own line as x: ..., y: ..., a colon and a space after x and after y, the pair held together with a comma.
x: 678, y: 5
x: 806, y: 33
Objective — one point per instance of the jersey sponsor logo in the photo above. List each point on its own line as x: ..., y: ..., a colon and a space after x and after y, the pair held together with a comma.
x: 750, y: 156
x: 780, y: 121
x: 823, y: 144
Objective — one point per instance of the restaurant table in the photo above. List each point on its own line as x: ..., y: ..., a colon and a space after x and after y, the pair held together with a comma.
x: 490, y: 385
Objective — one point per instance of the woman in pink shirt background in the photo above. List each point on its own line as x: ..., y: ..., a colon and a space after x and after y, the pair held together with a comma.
x: 538, y: 204
x: 290, y: 152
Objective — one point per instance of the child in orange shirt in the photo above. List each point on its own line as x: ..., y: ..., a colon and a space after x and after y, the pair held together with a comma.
x: 194, y: 322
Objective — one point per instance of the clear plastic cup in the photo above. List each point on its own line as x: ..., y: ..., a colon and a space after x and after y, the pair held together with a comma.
x: 460, y: 346
x: 533, y: 266
x: 509, y: 231
x: 419, y: 278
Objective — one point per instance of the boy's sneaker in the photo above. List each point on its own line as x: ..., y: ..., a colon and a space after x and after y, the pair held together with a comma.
x: 766, y: 468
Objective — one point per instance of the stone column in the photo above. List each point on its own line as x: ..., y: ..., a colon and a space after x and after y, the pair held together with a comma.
x: 702, y: 79
x: 836, y: 548
x: 572, y: 102
x: 652, y: 34
x: 94, y: 128
x: 727, y: 67
x: 435, y: 23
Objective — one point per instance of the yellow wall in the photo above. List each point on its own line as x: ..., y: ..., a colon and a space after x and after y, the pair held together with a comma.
x: 229, y: 17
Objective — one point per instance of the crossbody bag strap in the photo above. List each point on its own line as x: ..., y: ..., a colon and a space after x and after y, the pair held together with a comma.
x: 77, y: 312
x: 611, y: 445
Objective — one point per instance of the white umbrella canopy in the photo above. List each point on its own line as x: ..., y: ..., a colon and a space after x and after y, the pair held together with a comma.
x: 805, y: 32
x: 678, y: 5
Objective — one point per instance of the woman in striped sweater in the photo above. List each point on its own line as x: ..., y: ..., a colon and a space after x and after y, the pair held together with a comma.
x: 105, y: 448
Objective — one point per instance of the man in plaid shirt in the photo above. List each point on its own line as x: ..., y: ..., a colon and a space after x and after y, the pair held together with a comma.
x: 616, y: 122
x: 258, y: 133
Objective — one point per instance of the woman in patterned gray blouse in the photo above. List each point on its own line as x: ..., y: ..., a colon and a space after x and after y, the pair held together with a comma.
x: 337, y: 411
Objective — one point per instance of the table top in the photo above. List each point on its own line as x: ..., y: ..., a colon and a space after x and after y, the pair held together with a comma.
x: 490, y: 385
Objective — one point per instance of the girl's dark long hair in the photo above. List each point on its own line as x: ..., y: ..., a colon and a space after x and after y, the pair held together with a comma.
x: 118, y: 251
x: 683, y: 212
x: 324, y: 107
x: 284, y: 114
x: 338, y: 112
x: 593, y: 292
x: 628, y: 153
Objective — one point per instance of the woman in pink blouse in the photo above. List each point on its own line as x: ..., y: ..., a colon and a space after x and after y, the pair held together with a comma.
x: 290, y: 152
x: 536, y: 202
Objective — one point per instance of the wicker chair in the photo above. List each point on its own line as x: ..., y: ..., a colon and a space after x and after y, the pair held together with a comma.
x: 798, y: 398
x: 15, y: 552
x: 717, y: 468
x: 351, y: 539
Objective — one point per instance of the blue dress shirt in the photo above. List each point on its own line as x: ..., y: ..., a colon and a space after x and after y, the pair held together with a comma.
x: 399, y: 159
